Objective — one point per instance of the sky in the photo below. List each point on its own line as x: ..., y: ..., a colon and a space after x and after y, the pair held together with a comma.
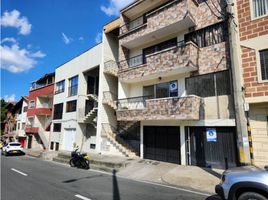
x: 37, y: 36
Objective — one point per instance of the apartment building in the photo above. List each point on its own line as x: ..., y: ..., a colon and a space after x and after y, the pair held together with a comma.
x: 39, y: 113
x: 9, y: 124
x: 20, y: 111
x: 76, y: 102
x: 174, y: 97
x: 253, y: 34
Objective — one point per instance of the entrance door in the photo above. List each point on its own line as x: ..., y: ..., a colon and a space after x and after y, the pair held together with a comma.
x: 162, y: 143
x: 206, y: 153
x: 68, y: 139
x: 30, y: 138
x: 22, y: 141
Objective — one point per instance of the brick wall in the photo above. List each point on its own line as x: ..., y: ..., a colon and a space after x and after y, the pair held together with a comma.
x: 252, y: 87
x: 250, y: 28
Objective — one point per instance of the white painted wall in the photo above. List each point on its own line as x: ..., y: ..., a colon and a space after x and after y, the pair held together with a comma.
x: 77, y: 66
x: 22, y: 119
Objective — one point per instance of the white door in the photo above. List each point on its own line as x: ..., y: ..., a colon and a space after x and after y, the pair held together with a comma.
x: 68, y: 139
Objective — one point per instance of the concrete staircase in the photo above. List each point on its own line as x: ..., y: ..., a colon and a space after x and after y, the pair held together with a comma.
x: 97, y: 162
x: 113, y: 137
x: 93, y: 97
x: 91, y: 115
x: 124, y: 126
x: 109, y: 98
x: 111, y: 67
x: 42, y: 135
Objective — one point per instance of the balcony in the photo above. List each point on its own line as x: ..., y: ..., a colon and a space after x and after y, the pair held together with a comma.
x: 43, y: 111
x: 111, y: 67
x: 31, y: 129
x: 171, y: 61
x: 168, y: 19
x: 171, y: 108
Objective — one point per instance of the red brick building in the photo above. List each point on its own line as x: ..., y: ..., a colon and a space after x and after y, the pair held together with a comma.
x: 39, y: 114
x: 253, y: 32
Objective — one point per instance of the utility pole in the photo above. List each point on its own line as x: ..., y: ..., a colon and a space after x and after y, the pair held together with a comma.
x: 238, y: 90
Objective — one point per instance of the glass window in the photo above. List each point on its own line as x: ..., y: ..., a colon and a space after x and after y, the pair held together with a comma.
x: 60, y: 87
x: 173, y: 88
x: 57, y: 127
x: 32, y: 104
x: 73, y: 85
x: 205, y: 86
x: 264, y: 64
x: 22, y: 126
x: 71, y: 106
x: 148, y: 91
x: 58, y: 109
x: 57, y: 146
x: 260, y: 7
x: 25, y: 108
x: 51, y: 145
x: 162, y: 90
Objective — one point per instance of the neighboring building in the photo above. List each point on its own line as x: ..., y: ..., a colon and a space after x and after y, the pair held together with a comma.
x: 175, y: 99
x: 20, y: 111
x: 253, y: 31
x: 39, y: 114
x: 76, y: 102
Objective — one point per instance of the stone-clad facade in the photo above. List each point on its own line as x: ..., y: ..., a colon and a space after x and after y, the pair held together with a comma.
x: 184, y: 108
x: 176, y: 58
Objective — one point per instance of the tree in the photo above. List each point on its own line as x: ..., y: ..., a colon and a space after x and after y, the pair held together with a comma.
x: 4, y: 111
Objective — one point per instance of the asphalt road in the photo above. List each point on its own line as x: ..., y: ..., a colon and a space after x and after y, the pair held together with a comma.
x: 28, y: 178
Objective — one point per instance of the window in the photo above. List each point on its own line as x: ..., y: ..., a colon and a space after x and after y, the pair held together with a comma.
x: 25, y: 108
x: 264, y: 64
x: 260, y: 7
x: 60, y: 87
x: 57, y: 127
x: 18, y: 126
x: 208, y: 36
x: 71, y: 106
x: 32, y: 104
x: 57, y: 146
x: 73, y: 85
x: 161, y: 90
x: 23, y: 126
x: 58, y: 109
x: 209, y: 84
x: 51, y: 145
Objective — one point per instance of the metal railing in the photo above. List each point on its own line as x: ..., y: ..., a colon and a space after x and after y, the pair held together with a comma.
x: 59, y: 91
x: 132, y: 24
x: 72, y: 90
x: 133, y: 103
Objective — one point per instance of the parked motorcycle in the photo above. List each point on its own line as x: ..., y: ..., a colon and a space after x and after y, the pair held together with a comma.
x: 79, y: 160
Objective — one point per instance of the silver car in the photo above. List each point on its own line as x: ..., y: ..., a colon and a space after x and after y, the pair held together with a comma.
x: 244, y: 183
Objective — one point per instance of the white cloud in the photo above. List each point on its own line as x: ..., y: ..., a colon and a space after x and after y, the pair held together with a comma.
x: 98, y: 38
x: 66, y: 39
x: 16, y: 59
x: 13, y: 19
x: 81, y: 38
x: 11, y: 98
x: 114, y: 6
x: 9, y: 39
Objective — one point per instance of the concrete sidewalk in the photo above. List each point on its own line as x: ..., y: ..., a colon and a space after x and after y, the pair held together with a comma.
x: 200, y: 179
x: 193, y: 177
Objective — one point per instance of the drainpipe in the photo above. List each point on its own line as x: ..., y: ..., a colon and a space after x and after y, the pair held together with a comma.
x: 241, y: 119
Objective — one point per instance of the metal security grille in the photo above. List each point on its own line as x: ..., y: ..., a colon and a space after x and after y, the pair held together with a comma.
x: 210, y: 35
x: 213, y: 84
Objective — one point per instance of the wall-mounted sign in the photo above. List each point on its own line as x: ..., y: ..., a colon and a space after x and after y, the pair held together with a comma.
x: 211, y: 135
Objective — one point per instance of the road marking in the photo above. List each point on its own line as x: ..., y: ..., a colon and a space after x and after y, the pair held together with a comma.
x: 81, y: 197
x: 15, y: 170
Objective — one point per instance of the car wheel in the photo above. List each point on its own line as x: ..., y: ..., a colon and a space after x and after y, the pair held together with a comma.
x: 251, y: 196
x: 5, y: 153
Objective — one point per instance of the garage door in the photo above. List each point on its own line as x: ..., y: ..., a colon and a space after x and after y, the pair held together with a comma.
x: 162, y: 143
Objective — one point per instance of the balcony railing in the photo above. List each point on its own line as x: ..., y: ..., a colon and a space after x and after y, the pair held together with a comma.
x: 145, y: 108
x: 31, y: 129
x: 132, y: 24
x: 133, y: 103
x: 72, y: 90
x: 59, y: 91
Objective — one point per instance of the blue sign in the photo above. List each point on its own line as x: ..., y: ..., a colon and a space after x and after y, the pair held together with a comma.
x: 211, y: 135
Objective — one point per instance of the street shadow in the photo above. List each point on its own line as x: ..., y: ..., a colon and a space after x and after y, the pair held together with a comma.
x: 116, y: 193
x: 212, y: 172
x: 214, y: 197
x: 78, y: 179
